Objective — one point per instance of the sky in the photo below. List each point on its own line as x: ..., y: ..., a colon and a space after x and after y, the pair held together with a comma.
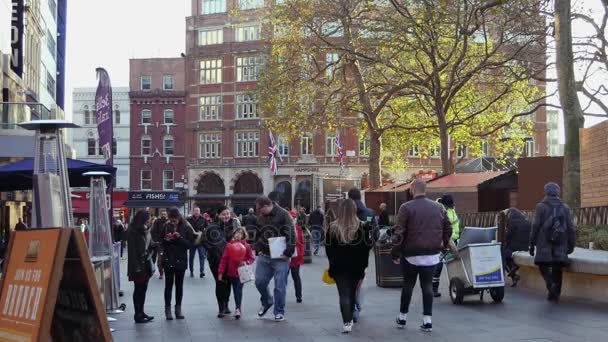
x: 108, y: 33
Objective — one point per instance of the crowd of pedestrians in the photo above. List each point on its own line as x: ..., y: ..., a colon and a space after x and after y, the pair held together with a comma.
x: 272, y: 238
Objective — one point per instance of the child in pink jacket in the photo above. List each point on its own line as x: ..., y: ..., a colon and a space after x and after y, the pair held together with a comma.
x: 237, y: 253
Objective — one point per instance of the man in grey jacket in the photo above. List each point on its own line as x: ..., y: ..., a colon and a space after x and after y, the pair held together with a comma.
x: 552, y: 239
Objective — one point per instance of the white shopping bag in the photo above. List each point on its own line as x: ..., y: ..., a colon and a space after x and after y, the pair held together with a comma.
x: 277, y: 246
x: 246, y: 273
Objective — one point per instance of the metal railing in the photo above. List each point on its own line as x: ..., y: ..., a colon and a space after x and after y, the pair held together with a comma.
x: 13, y: 113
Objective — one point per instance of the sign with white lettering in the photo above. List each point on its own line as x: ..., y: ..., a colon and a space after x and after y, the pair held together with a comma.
x: 153, y: 196
x: 48, y: 289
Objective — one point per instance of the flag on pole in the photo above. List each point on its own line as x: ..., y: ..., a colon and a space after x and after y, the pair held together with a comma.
x: 340, y: 151
x: 272, y: 151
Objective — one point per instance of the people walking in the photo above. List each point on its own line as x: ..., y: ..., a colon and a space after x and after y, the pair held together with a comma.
x: 422, y: 231
x: 448, y: 203
x: 347, y: 245
x: 516, y: 238
x: 273, y: 222
x: 237, y: 253
x: 297, y: 261
x: 198, y: 223
x: 158, y: 235
x: 552, y: 239
x: 316, y: 224
x: 250, y: 222
x: 215, y: 239
x: 383, y: 217
x: 139, y: 265
x: 176, y: 243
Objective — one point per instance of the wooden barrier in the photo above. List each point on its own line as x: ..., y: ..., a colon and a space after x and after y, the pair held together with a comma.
x: 593, y: 216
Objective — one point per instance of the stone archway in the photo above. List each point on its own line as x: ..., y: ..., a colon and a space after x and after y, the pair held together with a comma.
x: 285, y: 195
x: 247, y: 182
x: 209, y: 183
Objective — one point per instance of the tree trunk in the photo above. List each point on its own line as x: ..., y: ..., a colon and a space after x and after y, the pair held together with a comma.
x: 446, y: 165
x: 571, y: 107
x: 375, y: 157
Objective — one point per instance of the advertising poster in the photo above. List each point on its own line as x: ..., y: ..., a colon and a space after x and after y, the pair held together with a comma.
x: 486, y: 264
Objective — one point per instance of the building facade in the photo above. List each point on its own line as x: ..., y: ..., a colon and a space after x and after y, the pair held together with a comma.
x: 158, y: 124
x: 554, y: 147
x: 85, y: 140
x: 227, y: 149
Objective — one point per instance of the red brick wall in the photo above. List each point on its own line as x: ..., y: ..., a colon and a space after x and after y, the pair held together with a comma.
x: 594, y: 163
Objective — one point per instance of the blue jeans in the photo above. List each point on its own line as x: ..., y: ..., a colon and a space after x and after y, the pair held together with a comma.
x: 267, y: 269
x: 201, y: 258
x: 237, y: 289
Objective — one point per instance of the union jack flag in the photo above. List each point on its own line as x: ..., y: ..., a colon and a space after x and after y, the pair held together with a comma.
x: 272, y: 151
x: 340, y: 151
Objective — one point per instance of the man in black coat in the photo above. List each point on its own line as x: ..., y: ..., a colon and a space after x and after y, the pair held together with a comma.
x: 552, y: 239
x: 383, y: 218
x: 250, y: 222
x: 316, y: 223
x: 198, y: 223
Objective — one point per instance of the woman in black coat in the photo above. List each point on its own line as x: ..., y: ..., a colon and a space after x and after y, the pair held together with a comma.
x: 176, y: 243
x: 347, y: 245
x: 516, y: 238
x: 139, y: 266
x: 215, y: 238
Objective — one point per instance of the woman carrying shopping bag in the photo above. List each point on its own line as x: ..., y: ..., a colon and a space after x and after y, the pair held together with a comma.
x: 238, y: 253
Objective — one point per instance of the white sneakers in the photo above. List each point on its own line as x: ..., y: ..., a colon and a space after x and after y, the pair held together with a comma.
x: 347, y: 328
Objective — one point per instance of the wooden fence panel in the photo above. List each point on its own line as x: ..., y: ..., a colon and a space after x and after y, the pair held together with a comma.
x: 593, y: 216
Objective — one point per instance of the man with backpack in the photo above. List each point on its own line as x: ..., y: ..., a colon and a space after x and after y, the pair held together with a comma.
x: 552, y: 239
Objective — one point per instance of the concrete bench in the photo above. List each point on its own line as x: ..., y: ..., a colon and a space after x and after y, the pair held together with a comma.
x: 585, y: 278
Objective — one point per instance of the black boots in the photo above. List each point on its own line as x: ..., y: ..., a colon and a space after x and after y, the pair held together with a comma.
x: 436, y: 292
x: 178, y: 312
x: 168, y: 314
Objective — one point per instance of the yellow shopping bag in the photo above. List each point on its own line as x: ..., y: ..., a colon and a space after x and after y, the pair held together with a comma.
x: 327, y: 279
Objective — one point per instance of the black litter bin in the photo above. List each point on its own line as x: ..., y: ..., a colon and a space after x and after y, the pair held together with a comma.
x: 307, y: 246
x: 387, y: 273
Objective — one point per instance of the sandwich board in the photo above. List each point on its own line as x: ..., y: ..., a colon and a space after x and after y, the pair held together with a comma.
x: 48, y: 290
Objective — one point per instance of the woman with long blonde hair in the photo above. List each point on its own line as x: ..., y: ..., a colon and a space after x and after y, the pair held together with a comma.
x: 347, y: 247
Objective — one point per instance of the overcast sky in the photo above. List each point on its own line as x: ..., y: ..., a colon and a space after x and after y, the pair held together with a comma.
x: 108, y: 33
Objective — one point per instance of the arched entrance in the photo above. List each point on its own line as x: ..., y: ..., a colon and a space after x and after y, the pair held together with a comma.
x: 303, y: 195
x: 284, y: 191
x: 210, y: 192
x: 246, y: 189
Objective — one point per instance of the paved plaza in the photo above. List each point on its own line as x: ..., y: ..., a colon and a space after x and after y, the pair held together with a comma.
x: 524, y: 316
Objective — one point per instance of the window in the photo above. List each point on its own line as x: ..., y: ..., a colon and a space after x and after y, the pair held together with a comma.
x: 146, y: 179
x: 168, y: 82
x: 462, y: 152
x: 146, y: 146
x: 246, y: 106
x: 168, y: 146
x: 331, y: 59
x: 247, y: 144
x: 414, y: 151
x: 91, y: 147
x: 146, y: 116
x: 211, y: 71
x: 485, y: 149
x: 116, y: 115
x: 213, y: 6
x: 211, y: 37
x: 168, y: 115
x: 330, y: 145
x: 88, y: 117
x: 248, y: 33
x: 250, y: 4
x: 99, y: 149
x: 50, y: 84
x: 283, y: 146
x: 114, y: 147
x: 364, y: 144
x: 248, y: 68
x: 210, y: 107
x: 146, y: 82
x: 332, y: 29
x: 210, y: 145
x: 306, y: 145
x: 50, y: 43
x: 435, y: 152
x: 529, y: 147
x: 168, y: 180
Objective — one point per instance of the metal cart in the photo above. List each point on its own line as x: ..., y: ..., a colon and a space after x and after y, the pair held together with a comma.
x: 477, y: 269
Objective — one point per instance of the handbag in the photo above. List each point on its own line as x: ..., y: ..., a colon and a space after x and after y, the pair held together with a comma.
x: 246, y: 273
x: 326, y: 278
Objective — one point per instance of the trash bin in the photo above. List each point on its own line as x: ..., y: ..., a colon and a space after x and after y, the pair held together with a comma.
x: 307, y: 246
x: 387, y: 273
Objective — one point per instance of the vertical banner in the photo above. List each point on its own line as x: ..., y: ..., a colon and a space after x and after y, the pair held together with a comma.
x: 17, y: 13
x: 103, y: 113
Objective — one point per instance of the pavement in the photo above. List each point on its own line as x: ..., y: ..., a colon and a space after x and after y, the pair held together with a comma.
x: 523, y: 316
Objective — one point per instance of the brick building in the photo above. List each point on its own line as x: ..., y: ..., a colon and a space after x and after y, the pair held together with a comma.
x: 227, y: 157
x: 157, y: 124
x: 594, y: 162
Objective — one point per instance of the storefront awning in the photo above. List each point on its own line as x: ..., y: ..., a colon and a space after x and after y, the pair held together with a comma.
x: 152, y: 204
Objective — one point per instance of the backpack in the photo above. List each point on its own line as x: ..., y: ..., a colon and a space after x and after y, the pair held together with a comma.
x: 556, y: 231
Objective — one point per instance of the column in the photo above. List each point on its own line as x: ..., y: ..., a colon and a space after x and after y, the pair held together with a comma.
x: 293, y: 192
